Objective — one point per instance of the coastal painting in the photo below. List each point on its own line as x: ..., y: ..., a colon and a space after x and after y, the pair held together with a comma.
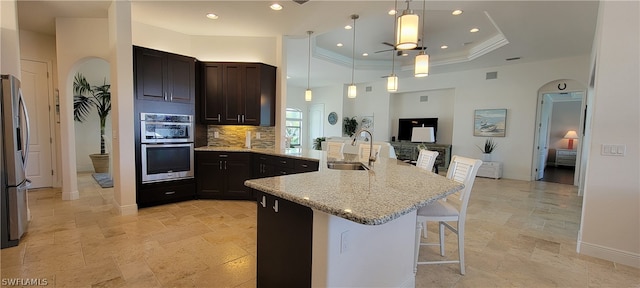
x: 490, y: 122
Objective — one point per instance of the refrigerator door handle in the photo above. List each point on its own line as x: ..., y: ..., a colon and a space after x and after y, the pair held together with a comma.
x: 25, y: 157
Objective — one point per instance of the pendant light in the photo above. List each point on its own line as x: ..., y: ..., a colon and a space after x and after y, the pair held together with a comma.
x: 407, y: 34
x: 308, y: 95
x: 421, y: 68
x: 392, y: 80
x: 351, y: 91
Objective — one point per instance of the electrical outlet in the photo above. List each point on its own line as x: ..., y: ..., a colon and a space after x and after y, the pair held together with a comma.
x: 216, y: 134
x: 344, y: 242
x: 257, y: 135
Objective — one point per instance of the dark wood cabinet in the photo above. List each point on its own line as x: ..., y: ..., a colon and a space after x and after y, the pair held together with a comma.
x: 269, y: 166
x: 166, y: 192
x: 238, y: 93
x: 221, y: 175
x: 284, y: 242
x: 162, y: 76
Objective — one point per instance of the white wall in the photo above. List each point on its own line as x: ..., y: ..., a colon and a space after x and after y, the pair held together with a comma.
x: 610, y: 227
x: 373, y: 103
x: 88, y: 132
x: 439, y: 105
x: 9, y: 39
x: 515, y: 89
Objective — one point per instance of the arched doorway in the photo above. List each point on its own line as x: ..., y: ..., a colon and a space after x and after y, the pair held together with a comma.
x: 559, y: 131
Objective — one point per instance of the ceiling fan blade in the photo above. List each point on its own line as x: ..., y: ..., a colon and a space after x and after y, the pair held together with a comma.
x: 389, y: 44
x: 387, y: 50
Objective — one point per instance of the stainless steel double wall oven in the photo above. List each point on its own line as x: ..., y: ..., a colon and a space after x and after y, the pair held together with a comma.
x: 166, y: 147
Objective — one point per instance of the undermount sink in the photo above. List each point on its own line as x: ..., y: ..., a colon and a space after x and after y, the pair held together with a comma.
x: 341, y: 165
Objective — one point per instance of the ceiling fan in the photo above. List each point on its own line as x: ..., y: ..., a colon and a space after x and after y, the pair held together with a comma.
x: 399, y: 51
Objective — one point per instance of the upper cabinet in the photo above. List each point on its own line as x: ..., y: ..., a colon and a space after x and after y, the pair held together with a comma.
x: 162, y: 76
x: 238, y: 93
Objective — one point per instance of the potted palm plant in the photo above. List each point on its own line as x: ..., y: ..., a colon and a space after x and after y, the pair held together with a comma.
x: 85, y: 98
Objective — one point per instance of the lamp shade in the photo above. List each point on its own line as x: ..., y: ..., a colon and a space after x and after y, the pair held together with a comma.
x: 392, y: 83
x: 422, y: 65
x: 351, y: 91
x: 308, y: 95
x: 571, y: 135
x: 423, y: 134
x: 407, y: 31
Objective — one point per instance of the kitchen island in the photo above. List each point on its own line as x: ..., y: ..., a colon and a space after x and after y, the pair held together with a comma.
x: 342, y: 228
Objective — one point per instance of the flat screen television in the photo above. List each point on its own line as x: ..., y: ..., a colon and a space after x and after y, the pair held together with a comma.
x: 405, y: 126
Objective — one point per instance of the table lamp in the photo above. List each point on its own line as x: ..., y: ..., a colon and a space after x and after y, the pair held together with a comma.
x: 571, y: 135
x: 423, y: 134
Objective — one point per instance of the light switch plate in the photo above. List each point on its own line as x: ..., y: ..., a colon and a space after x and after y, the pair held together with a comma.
x: 613, y: 150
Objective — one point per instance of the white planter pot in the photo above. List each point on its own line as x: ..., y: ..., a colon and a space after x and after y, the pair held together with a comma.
x: 486, y: 157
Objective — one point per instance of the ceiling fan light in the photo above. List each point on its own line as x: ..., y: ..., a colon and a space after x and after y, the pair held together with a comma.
x: 422, y: 65
x: 407, y: 31
x: 392, y: 83
x: 351, y: 91
x: 308, y: 95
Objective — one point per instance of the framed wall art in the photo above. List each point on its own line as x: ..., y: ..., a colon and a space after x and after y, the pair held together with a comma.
x: 490, y: 122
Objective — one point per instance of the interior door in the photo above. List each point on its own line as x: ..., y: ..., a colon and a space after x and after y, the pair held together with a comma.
x: 543, y: 137
x: 35, y: 90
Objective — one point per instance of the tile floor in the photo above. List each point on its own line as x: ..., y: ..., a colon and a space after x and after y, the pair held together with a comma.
x: 518, y: 234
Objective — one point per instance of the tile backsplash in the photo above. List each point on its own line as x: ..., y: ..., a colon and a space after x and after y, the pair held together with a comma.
x: 235, y: 135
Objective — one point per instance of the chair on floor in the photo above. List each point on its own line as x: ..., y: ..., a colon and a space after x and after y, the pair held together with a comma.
x: 335, y: 149
x: 364, y: 149
x: 462, y: 170
x: 426, y: 159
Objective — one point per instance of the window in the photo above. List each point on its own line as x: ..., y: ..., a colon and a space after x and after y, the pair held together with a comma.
x: 294, y: 126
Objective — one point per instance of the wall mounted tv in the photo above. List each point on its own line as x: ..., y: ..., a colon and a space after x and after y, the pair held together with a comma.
x: 405, y: 126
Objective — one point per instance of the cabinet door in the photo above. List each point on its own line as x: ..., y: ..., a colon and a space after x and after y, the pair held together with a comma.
x: 213, y: 97
x: 285, y: 231
x: 233, y: 93
x: 150, y: 76
x: 181, y: 80
x: 252, y: 94
x: 209, y: 174
x: 237, y: 171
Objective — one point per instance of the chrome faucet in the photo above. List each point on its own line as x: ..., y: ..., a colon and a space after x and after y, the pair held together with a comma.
x: 372, y: 158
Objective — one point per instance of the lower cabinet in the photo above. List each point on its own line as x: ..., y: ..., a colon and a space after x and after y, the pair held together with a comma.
x: 269, y: 166
x: 284, y: 242
x: 221, y: 175
x: 166, y: 192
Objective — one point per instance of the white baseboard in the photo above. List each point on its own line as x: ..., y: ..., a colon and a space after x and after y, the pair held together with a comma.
x: 126, y: 209
x: 410, y: 282
x: 73, y: 195
x: 614, y: 255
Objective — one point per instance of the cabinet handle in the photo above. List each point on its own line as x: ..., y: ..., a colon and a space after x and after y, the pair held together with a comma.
x: 225, y: 165
x: 238, y: 118
x: 223, y: 155
x: 218, y: 117
x: 220, y: 164
x: 170, y: 192
x: 304, y: 165
x: 165, y: 96
x: 275, y: 206
x: 242, y: 118
x: 171, y: 97
x: 264, y: 201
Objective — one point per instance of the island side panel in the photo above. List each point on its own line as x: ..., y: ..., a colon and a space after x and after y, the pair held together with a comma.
x: 283, y: 242
x: 348, y: 254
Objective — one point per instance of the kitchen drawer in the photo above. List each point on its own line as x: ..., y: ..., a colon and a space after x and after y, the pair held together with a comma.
x: 302, y: 166
x: 165, y: 192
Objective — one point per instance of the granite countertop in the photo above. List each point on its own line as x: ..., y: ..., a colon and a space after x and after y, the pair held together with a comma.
x: 372, y: 197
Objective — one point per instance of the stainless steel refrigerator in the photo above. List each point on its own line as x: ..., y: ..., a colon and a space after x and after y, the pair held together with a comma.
x: 14, y: 147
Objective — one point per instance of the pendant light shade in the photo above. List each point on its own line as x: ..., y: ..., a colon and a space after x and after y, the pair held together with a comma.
x: 351, y: 91
x: 308, y: 95
x: 422, y: 65
x: 407, y: 30
x: 392, y: 83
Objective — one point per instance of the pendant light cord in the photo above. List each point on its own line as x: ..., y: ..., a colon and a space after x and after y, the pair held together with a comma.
x: 309, y: 60
x: 395, y: 27
x: 353, y: 52
x: 423, y: 10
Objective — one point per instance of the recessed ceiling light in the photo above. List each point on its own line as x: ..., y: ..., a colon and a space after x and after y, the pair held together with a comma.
x: 393, y: 12
x: 212, y: 16
x: 365, y: 54
x: 444, y: 47
x: 404, y: 54
x: 276, y: 7
x: 348, y: 27
x: 474, y: 30
x: 456, y: 12
x: 339, y: 44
